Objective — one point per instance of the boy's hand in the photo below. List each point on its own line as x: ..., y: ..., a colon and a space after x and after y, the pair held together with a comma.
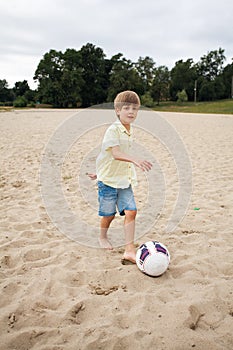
x: 92, y: 176
x: 143, y: 165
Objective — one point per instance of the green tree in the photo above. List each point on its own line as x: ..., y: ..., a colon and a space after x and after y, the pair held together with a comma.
x: 20, y: 88
x: 227, y: 76
x: 146, y: 70
x: 123, y: 76
x: 71, y: 79
x: 20, y: 101
x: 211, y: 65
x: 160, y: 85
x: 30, y: 96
x: 206, y: 91
x: 94, y: 74
x: 6, y: 94
x: 49, y: 74
x: 183, y: 77
x: 209, y: 70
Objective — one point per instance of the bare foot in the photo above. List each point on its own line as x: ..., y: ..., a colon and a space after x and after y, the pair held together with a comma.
x: 128, y: 258
x: 105, y: 244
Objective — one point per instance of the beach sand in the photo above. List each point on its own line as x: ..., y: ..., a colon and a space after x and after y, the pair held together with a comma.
x: 58, y: 293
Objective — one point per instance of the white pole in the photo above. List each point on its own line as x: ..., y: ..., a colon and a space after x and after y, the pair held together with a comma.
x: 232, y: 86
x: 195, y: 91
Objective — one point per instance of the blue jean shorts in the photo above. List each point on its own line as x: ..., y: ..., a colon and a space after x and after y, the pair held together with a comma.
x: 111, y: 198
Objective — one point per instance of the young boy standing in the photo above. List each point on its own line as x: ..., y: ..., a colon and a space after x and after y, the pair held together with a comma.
x: 116, y: 173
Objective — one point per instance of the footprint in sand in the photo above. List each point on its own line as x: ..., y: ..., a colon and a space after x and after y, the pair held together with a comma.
x: 74, y: 314
x: 194, y: 318
x: 36, y: 254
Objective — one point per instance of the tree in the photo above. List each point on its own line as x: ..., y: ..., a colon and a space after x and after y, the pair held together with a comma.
x: 227, y: 76
x: 211, y: 65
x: 20, y: 88
x: 30, y: 96
x: 86, y: 77
x: 123, y: 76
x: 71, y: 80
x: 183, y: 77
x: 49, y: 74
x: 146, y: 70
x: 160, y: 84
x: 209, y: 70
x: 206, y: 91
x: 6, y: 94
x: 94, y: 75
x: 20, y: 101
x: 23, y: 94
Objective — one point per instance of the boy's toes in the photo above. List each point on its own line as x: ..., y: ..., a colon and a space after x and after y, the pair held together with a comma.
x: 128, y: 259
x: 127, y: 262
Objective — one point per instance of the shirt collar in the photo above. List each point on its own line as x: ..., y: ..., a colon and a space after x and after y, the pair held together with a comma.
x: 122, y: 128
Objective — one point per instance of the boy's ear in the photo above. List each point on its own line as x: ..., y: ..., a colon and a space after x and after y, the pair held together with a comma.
x: 117, y: 111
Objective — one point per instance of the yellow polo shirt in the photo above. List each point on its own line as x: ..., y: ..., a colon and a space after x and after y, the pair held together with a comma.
x: 112, y: 172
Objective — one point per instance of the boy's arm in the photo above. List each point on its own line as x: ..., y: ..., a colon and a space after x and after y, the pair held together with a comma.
x: 118, y: 155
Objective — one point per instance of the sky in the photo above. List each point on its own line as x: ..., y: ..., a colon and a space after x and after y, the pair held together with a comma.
x: 165, y: 30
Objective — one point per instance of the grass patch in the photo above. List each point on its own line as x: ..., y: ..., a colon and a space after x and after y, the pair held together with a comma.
x: 215, y: 107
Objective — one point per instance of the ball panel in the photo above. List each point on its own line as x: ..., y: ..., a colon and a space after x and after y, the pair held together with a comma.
x: 161, y: 248
x: 156, y: 264
x: 141, y: 255
x: 153, y: 258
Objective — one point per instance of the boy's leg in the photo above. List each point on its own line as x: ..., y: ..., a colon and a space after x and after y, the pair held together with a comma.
x: 104, y: 226
x: 129, y: 227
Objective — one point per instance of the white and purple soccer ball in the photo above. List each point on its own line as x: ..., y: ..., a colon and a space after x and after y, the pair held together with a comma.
x: 153, y: 258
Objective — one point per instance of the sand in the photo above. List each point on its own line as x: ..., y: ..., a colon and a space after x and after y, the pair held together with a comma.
x: 57, y: 293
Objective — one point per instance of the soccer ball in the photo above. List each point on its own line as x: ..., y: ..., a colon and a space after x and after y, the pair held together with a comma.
x: 153, y: 258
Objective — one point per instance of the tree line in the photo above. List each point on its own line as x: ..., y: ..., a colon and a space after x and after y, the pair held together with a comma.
x: 85, y: 77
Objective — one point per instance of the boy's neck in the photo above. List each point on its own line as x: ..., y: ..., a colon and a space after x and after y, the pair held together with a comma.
x: 127, y: 127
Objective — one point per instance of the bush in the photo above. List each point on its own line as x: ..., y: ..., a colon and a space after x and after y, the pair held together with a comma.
x: 31, y: 105
x: 20, y: 102
x: 182, y: 96
x: 6, y: 104
x: 147, y: 100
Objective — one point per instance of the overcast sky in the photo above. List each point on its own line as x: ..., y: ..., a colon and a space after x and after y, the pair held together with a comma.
x: 165, y: 30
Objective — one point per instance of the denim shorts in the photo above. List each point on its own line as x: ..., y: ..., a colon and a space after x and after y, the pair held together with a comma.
x: 111, y: 198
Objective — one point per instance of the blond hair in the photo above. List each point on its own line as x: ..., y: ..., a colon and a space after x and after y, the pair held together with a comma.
x: 126, y: 98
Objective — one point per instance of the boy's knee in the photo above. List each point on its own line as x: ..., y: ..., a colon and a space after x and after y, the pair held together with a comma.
x: 130, y: 214
x: 107, y: 219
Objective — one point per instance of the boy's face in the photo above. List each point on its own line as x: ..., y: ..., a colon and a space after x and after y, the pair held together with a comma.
x: 127, y: 113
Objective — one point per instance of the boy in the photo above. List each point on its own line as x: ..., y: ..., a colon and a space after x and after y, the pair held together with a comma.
x: 116, y: 173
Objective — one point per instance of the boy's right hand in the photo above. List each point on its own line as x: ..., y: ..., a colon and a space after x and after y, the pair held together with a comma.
x: 92, y: 176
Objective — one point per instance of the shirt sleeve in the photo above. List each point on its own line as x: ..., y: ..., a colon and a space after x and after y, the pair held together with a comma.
x: 111, y: 138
